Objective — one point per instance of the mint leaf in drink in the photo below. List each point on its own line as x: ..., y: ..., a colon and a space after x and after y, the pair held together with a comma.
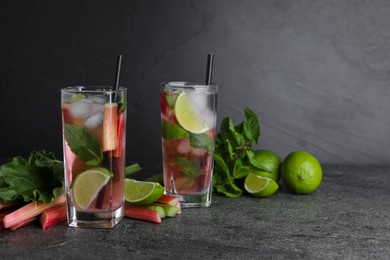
x: 202, y: 141
x: 37, y: 178
x: 171, y: 98
x: 83, y: 144
x: 190, y: 168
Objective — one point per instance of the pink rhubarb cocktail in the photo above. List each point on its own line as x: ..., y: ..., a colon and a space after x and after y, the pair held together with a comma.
x: 94, y: 127
x: 188, y: 119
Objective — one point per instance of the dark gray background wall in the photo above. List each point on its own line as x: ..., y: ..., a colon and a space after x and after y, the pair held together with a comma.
x: 317, y: 73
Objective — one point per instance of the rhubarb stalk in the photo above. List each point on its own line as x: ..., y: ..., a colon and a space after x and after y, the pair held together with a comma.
x: 121, y: 126
x: 29, y: 211
x: 142, y: 214
x: 53, y: 216
x: 23, y: 223
x: 110, y: 121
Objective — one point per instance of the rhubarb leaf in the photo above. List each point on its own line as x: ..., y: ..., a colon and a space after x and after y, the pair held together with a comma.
x: 83, y: 144
x: 37, y: 178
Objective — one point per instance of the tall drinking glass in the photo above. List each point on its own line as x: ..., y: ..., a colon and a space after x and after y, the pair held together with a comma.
x: 94, y: 132
x: 188, y: 120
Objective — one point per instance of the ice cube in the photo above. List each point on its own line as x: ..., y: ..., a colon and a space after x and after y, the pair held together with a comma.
x: 94, y: 121
x: 99, y: 99
x: 209, y: 117
x: 198, y: 100
x: 80, y: 109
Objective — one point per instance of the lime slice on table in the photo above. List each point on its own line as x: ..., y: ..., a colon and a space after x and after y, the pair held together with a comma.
x: 87, y: 185
x: 142, y: 192
x: 260, y: 186
x: 188, y: 116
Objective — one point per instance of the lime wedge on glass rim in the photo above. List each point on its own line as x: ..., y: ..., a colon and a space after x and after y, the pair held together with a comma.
x: 87, y: 185
x: 188, y: 116
x: 142, y: 192
x: 260, y: 186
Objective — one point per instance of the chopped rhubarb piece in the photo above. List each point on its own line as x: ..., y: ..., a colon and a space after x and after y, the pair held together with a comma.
x: 110, y: 121
x: 170, y: 211
x: 23, y: 223
x: 142, y: 214
x: 159, y: 209
x: 53, y: 216
x: 121, y: 126
x: 30, y: 210
x: 168, y: 200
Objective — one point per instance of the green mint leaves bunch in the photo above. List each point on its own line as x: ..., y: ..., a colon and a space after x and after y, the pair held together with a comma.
x: 234, y: 154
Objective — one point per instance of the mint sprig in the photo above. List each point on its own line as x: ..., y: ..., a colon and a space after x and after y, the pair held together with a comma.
x: 234, y: 154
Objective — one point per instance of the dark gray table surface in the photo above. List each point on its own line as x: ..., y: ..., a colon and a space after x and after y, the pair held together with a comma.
x: 348, y: 217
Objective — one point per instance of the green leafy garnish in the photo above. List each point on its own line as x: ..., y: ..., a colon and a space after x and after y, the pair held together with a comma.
x: 190, y: 168
x: 234, y: 154
x: 202, y: 141
x: 38, y: 178
x: 83, y: 144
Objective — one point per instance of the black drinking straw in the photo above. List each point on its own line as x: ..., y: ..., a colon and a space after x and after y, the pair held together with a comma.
x: 117, y: 74
x: 209, y: 71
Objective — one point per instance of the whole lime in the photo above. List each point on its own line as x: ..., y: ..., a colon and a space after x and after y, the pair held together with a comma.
x: 271, y: 162
x: 301, y: 172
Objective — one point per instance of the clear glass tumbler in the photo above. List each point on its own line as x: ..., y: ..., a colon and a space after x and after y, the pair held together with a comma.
x: 94, y: 143
x: 188, y: 123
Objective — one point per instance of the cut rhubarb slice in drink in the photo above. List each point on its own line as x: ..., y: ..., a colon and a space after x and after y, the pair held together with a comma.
x: 121, y: 126
x: 109, y: 142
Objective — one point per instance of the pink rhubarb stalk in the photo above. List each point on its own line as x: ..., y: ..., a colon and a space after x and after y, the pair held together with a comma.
x: 121, y: 126
x: 29, y: 211
x: 110, y: 122
x: 168, y: 200
x: 142, y: 214
x: 23, y: 223
x: 53, y: 216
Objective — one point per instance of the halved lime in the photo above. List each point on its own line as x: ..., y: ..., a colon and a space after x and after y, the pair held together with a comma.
x: 188, y: 116
x: 260, y: 186
x: 87, y: 185
x: 172, y: 131
x: 142, y: 192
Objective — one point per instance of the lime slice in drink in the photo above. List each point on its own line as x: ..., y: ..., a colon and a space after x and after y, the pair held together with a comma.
x: 87, y: 185
x: 172, y: 131
x: 260, y: 186
x: 188, y: 116
x: 142, y: 192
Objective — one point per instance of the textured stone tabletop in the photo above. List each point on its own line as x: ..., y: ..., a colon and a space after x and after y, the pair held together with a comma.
x: 348, y: 217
